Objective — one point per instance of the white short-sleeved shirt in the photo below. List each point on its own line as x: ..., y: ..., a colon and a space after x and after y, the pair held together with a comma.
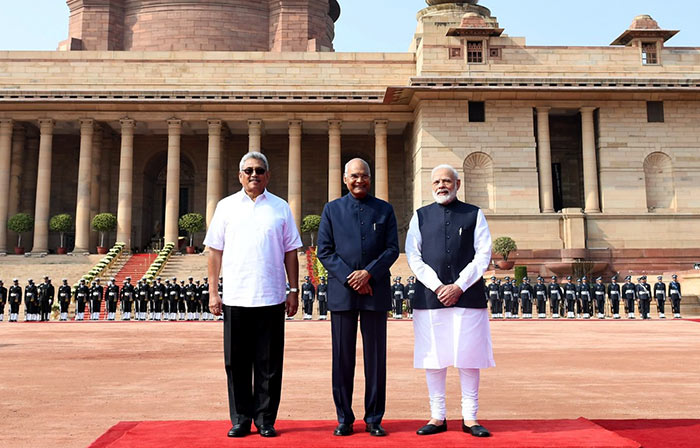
x: 254, y: 236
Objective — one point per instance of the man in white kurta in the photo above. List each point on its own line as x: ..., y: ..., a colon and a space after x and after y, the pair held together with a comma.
x: 448, y: 246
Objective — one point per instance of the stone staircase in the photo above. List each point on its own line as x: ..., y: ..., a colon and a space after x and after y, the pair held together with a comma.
x: 184, y: 266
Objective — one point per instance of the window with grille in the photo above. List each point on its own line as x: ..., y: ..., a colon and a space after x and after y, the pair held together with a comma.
x: 650, y: 55
x: 475, y: 52
x: 455, y: 52
x: 655, y: 111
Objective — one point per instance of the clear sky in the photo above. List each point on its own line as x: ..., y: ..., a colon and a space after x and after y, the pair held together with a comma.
x: 388, y: 25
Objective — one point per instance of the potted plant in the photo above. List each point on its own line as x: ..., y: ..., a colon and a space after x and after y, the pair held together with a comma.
x: 310, y: 224
x: 61, y: 223
x: 503, y: 246
x: 191, y: 223
x: 103, y: 222
x: 20, y: 223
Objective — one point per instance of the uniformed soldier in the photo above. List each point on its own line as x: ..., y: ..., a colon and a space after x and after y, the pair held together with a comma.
x: 494, y: 297
x: 3, y: 300
x: 40, y: 302
x: 397, y: 295
x: 644, y: 297
x: 323, y: 299
x: 221, y: 294
x: 507, y: 295
x: 674, y: 293
x: 173, y: 298
x: 526, y: 296
x: 48, y: 294
x: 82, y: 295
x: 111, y: 299
x: 191, y: 290
x: 308, y: 292
x: 204, y: 299
x: 96, y: 296
x: 571, y: 294
x: 127, y: 298
x: 599, y: 293
x: 541, y: 296
x: 660, y: 295
x: 614, y: 295
x: 15, y: 298
x: 159, y: 296
x: 555, y: 295
x: 31, y: 301
x: 629, y: 293
x: 142, y: 295
x: 64, y: 295
x: 181, y: 300
x: 198, y: 301
x: 515, y: 305
x: 580, y: 305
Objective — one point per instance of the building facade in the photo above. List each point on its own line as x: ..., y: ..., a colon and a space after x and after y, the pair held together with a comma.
x: 575, y: 152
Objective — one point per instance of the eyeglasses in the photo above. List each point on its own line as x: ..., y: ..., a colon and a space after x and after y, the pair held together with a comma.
x: 259, y: 171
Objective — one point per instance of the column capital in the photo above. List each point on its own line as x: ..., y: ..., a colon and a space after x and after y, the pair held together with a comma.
x: 87, y: 125
x: 174, y: 123
x: 214, y: 122
x: 335, y: 124
x: 543, y: 109
x: 46, y: 124
x: 6, y: 123
x: 215, y: 127
x: 295, y: 126
x: 587, y: 109
x: 255, y: 123
x: 381, y: 123
x: 127, y: 123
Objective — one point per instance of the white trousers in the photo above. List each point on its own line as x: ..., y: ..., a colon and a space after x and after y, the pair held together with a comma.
x: 469, y: 379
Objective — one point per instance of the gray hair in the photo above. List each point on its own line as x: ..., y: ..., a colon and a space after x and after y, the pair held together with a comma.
x: 254, y: 155
x: 366, y: 165
x: 445, y: 167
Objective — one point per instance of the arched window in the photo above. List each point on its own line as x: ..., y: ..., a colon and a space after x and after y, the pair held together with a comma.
x: 478, y: 180
x: 658, y: 178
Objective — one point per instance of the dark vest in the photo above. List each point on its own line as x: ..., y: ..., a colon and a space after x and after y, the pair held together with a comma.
x: 447, y: 234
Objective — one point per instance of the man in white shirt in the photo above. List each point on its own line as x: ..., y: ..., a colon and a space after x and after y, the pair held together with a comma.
x: 253, y: 240
x: 448, y: 247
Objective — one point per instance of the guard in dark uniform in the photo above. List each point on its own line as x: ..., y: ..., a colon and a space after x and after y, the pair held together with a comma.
x: 571, y: 293
x: 555, y: 295
x: 515, y: 305
x: 580, y: 310
x: 47, y: 295
x: 31, y: 301
x: 142, y: 296
x: 674, y: 293
x: 221, y: 294
x: 507, y: 295
x: 96, y: 297
x: 308, y: 292
x: 526, y: 296
x: 204, y: 299
x: 15, y: 298
x: 191, y: 290
x: 173, y: 298
x: 3, y: 300
x: 599, y: 294
x: 644, y: 297
x: 323, y: 299
x: 541, y: 296
x: 198, y: 300
x: 660, y: 296
x: 82, y: 295
x: 494, y: 295
x: 159, y: 296
x: 397, y: 296
x: 629, y: 293
x: 411, y: 295
x: 64, y: 295
x: 111, y: 299
x: 127, y: 297
x: 614, y: 294
x: 181, y: 300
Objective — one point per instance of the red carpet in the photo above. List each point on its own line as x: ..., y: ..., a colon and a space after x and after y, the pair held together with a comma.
x: 657, y: 433
x: 579, y: 433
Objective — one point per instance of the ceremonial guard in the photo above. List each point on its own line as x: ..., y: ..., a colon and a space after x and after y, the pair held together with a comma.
x: 411, y: 295
x: 198, y: 301
x: 323, y: 299
x: 570, y: 292
x: 82, y: 295
x: 158, y: 294
x: 674, y: 293
x: 47, y: 296
x: 190, y: 290
x: 64, y: 295
x: 599, y: 292
x: 142, y: 293
x: 111, y: 299
x: 181, y: 300
x: 397, y: 295
x: 220, y: 287
x: 644, y: 297
x: 515, y: 305
x: 541, y: 295
x: 629, y: 293
x: 507, y: 295
x: 3, y: 300
x: 15, y: 294
x: 495, y: 299
x: 96, y: 296
x: 614, y: 295
x: 308, y: 292
x: 174, y: 298
x: 31, y: 301
x: 204, y: 299
x: 555, y: 295
x: 526, y: 296
x: 127, y: 298
x: 660, y: 296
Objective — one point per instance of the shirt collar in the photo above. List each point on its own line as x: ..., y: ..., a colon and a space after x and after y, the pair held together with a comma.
x: 244, y: 196
x: 361, y: 201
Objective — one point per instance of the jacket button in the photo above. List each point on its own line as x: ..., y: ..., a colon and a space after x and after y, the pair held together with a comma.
x: 448, y: 237
x: 449, y: 266
x: 447, y: 223
x: 448, y: 251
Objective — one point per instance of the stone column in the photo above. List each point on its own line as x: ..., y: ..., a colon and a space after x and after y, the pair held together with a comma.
x: 82, y: 208
x: 334, y: 160
x: 5, y: 166
x: 381, y: 161
x: 95, y: 180
x: 126, y: 182
x: 544, y: 152
x: 294, y: 171
x: 254, y: 135
x: 590, y: 163
x: 172, y: 188
x: 19, y: 138
x: 214, y: 168
x: 43, y: 188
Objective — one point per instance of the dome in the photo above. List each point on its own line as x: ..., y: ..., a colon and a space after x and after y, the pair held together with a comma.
x: 644, y: 22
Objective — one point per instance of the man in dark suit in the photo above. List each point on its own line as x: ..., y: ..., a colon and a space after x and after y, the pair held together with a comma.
x: 358, y: 244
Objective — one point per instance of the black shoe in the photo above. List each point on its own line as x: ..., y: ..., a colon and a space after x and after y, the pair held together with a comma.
x: 343, y: 429
x: 375, y: 429
x: 239, y: 430
x: 476, y: 430
x: 267, y: 431
x: 429, y: 430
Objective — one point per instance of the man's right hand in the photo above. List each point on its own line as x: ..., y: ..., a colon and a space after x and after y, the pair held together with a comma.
x: 215, y: 303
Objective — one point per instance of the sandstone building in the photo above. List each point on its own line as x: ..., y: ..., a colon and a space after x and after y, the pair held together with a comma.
x: 575, y: 152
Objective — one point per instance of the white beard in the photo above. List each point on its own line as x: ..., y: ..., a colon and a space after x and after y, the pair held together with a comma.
x: 442, y: 200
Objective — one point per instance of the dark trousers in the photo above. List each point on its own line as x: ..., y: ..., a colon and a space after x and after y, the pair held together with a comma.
x: 600, y: 306
x: 344, y: 335
x: 661, y: 304
x: 615, y: 304
x: 253, y: 356
x: 644, y: 305
x: 554, y: 305
x: 322, y: 307
x: 541, y: 306
x: 676, y: 305
x: 398, y: 306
